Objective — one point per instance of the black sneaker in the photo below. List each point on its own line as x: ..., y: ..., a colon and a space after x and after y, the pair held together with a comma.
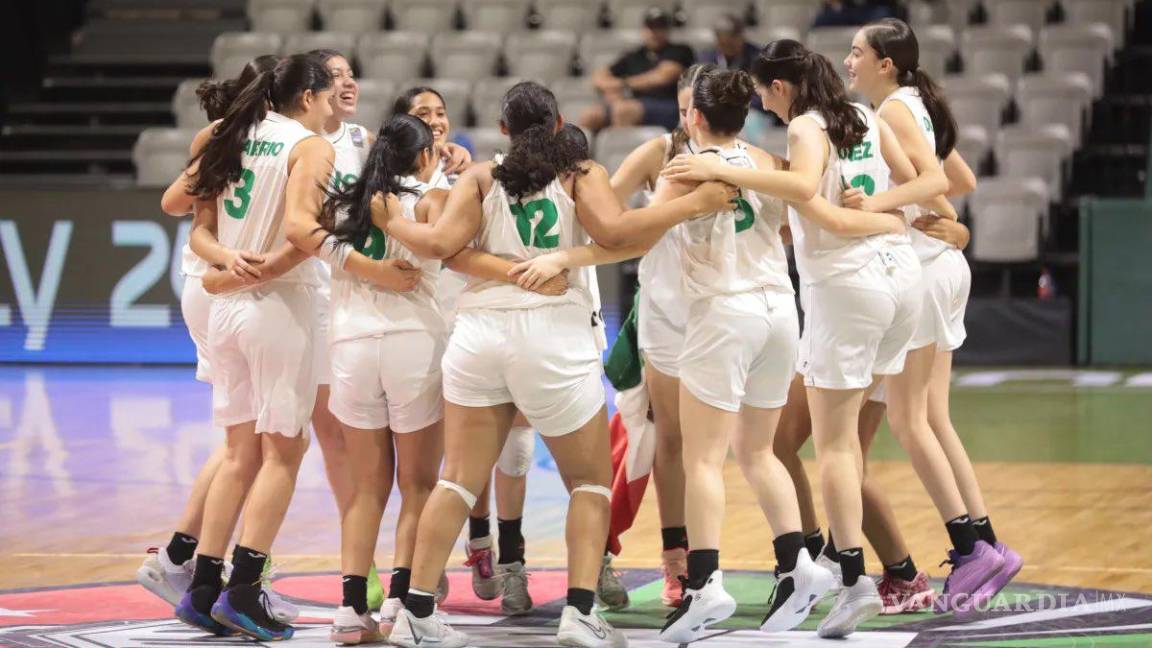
x: 245, y: 608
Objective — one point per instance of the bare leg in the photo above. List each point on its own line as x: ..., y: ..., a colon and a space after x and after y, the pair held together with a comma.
x: 193, y: 515
x: 940, y: 418
x: 752, y: 447
x: 706, y: 431
x: 880, y: 526
x: 272, y: 490
x: 418, y: 457
x: 330, y: 436
x: 229, y: 489
x: 791, y: 434
x: 371, y: 465
x: 835, y: 418
x: 668, y: 468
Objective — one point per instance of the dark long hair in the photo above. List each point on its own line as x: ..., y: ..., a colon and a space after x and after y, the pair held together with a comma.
x: 395, y: 154
x: 277, y: 90
x: 723, y: 97
x: 817, y: 87
x: 576, y: 135
x: 538, y: 155
x: 680, y: 136
x: 893, y: 38
x: 216, y: 96
x: 404, y: 102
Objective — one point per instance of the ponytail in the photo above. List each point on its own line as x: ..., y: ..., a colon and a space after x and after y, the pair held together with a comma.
x: 538, y: 154
x: 216, y: 96
x: 723, y: 97
x: 943, y: 123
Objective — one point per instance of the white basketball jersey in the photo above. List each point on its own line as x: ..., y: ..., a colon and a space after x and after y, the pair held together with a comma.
x: 661, y: 266
x: 519, y: 230
x: 736, y: 250
x: 819, y: 253
x: 251, y: 211
x: 350, y: 143
x: 927, y: 248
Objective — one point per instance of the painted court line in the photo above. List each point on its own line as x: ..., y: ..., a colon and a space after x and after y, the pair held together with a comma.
x: 1099, y: 607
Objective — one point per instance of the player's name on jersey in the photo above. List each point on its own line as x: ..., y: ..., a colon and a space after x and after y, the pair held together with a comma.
x: 256, y: 148
x: 862, y: 151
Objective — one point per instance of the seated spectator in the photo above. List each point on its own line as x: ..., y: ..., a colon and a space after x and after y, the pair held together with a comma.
x: 640, y: 87
x: 846, y: 13
x: 732, y: 52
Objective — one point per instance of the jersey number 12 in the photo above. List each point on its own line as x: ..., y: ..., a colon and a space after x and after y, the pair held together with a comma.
x: 536, y: 234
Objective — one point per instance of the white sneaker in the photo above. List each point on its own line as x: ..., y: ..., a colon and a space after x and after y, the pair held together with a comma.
x: 432, y: 632
x: 834, y: 567
x: 699, y: 609
x: 853, y: 606
x: 164, y: 578
x: 281, y: 609
x: 388, y: 613
x: 796, y: 592
x: 349, y: 628
x: 588, y: 631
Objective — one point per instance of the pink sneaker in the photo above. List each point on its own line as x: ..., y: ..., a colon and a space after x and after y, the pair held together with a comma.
x: 484, y: 582
x: 988, y: 591
x: 902, y: 597
x: 675, y: 566
x: 969, y: 573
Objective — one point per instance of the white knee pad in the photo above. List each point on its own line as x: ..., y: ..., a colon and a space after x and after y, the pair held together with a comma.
x: 468, y: 498
x: 595, y: 489
x: 516, y: 457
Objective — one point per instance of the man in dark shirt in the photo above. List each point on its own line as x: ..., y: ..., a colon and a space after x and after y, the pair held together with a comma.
x: 732, y: 52
x: 640, y: 87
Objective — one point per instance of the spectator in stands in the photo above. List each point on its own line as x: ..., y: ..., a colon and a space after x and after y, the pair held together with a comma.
x: 732, y: 51
x: 846, y: 13
x: 640, y: 87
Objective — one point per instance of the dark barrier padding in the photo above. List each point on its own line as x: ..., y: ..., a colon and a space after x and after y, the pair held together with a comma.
x: 1017, y: 332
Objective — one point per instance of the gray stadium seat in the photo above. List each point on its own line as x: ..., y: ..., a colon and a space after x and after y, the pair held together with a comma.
x: 375, y: 103
x: 353, y: 16
x: 703, y: 14
x: 466, y: 55
x: 281, y: 16
x: 629, y: 14
x: 231, y: 51
x: 959, y: 11
x: 978, y: 100
x: 574, y: 94
x: 1110, y: 12
x: 797, y: 14
x: 1004, y: 13
x: 392, y: 55
x: 160, y: 154
x: 1055, y: 98
x: 542, y: 55
x: 495, y: 15
x: 699, y: 40
x: 600, y: 49
x: 973, y: 145
x: 308, y: 41
x: 763, y: 35
x: 431, y: 16
x: 1085, y: 48
x: 937, y: 46
x: 573, y: 15
x: 186, y: 105
x: 486, y: 142
x: 1034, y: 151
x: 996, y: 49
x: 455, y: 93
x: 613, y: 144
x: 486, y: 96
x: 834, y: 43
x: 1007, y: 216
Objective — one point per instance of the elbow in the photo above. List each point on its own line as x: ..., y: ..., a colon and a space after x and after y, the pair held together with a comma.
x: 938, y: 182
x: 176, y: 205
x: 962, y: 186
x: 440, y: 252
x: 295, y: 232
x: 804, y: 192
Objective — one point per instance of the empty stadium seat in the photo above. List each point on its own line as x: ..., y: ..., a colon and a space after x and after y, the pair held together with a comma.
x: 486, y: 142
x: 1078, y: 48
x: 455, y: 93
x: 959, y: 13
x: 495, y: 15
x: 573, y: 15
x: 306, y: 42
x: 978, y: 100
x: 796, y: 14
x: 1110, y: 12
x: 1055, y: 98
x: 1007, y: 217
x: 973, y: 145
x: 937, y: 47
x: 600, y: 49
x: 615, y: 143
x: 833, y: 43
x: 392, y: 55
x: 1017, y: 12
x: 629, y: 14
x: 700, y: 40
x: 466, y: 55
x: 160, y: 154
x: 352, y: 16
x: 231, y: 51
x: 574, y: 94
x: 541, y: 55
x: 375, y: 103
x: 186, y: 105
x: 1025, y: 151
x: 996, y: 49
x: 431, y: 16
x: 763, y: 35
x: 486, y: 100
x: 280, y: 16
x: 703, y: 14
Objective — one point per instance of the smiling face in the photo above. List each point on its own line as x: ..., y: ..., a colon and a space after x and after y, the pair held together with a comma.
x: 346, y: 90
x: 865, y: 69
x: 429, y: 108
x: 316, y: 108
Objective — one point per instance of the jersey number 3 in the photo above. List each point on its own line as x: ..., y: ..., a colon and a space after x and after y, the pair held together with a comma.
x: 537, y: 234
x: 237, y: 207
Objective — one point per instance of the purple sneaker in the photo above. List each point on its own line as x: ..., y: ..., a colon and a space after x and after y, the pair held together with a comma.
x: 968, y: 574
x: 1012, y: 564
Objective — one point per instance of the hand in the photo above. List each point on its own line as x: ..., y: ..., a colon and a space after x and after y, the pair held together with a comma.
x: 714, y: 197
x: 694, y: 168
x: 244, y: 265
x: 456, y: 158
x: 555, y: 286
x: 397, y: 275
x: 897, y: 224
x: 217, y: 281
x: 855, y: 198
x: 387, y: 205
x: 534, y: 273
x: 944, y: 229
x: 611, y: 85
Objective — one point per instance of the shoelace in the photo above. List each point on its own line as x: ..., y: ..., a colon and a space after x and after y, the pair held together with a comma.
x: 948, y: 561
x: 477, y: 558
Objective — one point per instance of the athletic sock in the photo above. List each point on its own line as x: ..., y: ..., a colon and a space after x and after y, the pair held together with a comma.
x: 788, y: 547
x: 182, y: 547
x: 675, y: 537
x: 478, y: 527
x: 962, y: 534
x: 814, y: 542
x: 420, y: 604
x: 209, y: 570
x: 905, y: 570
x: 830, y: 550
x: 983, y: 529
x: 356, y: 593
x: 247, y: 566
x: 401, y: 580
x: 511, y: 541
x: 852, y: 565
x: 701, y: 564
x: 581, y: 599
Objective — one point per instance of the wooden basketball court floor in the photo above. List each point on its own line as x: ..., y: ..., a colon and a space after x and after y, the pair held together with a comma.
x: 95, y: 463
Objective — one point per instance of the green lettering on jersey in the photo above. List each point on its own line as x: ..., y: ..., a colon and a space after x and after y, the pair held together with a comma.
x: 747, y: 218
x: 237, y: 206
x: 928, y: 125
x: 862, y: 151
x: 865, y: 182
x: 375, y: 244
x: 536, y: 234
x: 260, y: 148
x: 343, y: 181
